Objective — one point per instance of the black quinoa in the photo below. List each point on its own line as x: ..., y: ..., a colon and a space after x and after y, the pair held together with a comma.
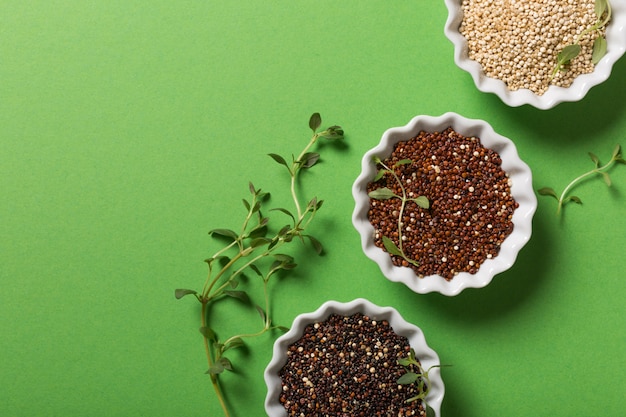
x: 347, y: 366
x: 471, y: 206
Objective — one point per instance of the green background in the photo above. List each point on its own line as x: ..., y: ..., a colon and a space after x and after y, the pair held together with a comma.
x: 130, y: 128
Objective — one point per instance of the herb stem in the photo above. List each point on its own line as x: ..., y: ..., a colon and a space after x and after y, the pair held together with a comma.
x: 598, y: 170
x: 214, y: 379
x: 295, y: 167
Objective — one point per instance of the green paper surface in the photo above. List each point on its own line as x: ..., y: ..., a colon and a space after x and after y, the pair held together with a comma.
x: 130, y: 129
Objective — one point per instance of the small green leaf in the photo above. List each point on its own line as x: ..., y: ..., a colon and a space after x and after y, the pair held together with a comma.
x: 382, y: 194
x: 208, y: 333
x: 180, y: 293
x: 224, y: 232
x: 283, y: 328
x: 391, y: 247
x: 315, y: 122
x: 256, y: 269
x: 333, y: 132
x: 600, y: 7
x: 287, y: 212
x: 607, y: 178
x: 279, y: 159
x: 216, y: 369
x: 408, y: 378
x: 251, y: 188
x: 379, y: 175
x: 309, y: 159
x: 599, y: 49
x: 225, y: 362
x: 574, y: 199
x: 317, y: 246
x: 240, y: 295
x: 422, y: 202
x: 260, y: 241
x: 595, y: 159
x: 261, y: 313
x: 430, y: 412
x: 246, y: 204
x: 376, y: 159
x: 233, y: 344
x: 403, y: 162
x: 548, y: 191
x: 568, y: 53
x: 617, y: 152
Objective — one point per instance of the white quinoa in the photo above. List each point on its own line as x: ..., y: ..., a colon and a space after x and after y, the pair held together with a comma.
x: 517, y: 41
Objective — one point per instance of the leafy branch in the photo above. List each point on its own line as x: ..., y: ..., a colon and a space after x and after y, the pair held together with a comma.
x: 386, y: 193
x: 258, y: 249
x: 416, y: 375
x: 568, y: 53
x: 599, y: 169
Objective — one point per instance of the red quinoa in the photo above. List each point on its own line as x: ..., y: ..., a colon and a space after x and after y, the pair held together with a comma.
x: 471, y: 205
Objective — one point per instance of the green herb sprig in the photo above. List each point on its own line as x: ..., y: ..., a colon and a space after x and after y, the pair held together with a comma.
x: 385, y: 194
x: 415, y: 374
x: 256, y: 248
x: 616, y: 157
x: 568, y: 53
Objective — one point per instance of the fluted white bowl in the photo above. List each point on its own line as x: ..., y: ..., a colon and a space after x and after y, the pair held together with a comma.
x: 521, y: 190
x: 427, y: 357
x: 616, y: 46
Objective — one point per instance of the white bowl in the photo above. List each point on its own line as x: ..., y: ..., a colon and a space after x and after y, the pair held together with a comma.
x: 423, y: 353
x: 521, y: 190
x: 616, y: 46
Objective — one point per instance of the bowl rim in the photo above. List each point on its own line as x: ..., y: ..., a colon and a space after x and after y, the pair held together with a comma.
x: 616, y: 47
x: 427, y: 356
x: 521, y: 189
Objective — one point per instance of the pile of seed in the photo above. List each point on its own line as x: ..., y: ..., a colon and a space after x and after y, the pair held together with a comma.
x: 471, y: 206
x: 347, y: 366
x: 517, y: 41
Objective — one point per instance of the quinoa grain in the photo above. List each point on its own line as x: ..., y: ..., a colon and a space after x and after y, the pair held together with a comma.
x: 471, y: 206
x: 354, y: 375
x: 517, y: 41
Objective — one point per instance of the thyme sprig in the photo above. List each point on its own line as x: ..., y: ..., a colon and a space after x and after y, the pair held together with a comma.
x: 256, y: 248
x: 568, y: 53
x: 386, y: 193
x: 616, y: 157
x: 415, y: 374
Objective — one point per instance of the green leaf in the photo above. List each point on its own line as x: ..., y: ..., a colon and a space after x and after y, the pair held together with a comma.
x: 208, y: 333
x: 283, y: 328
x: 422, y: 202
x: 317, y: 246
x: 309, y: 159
x: 225, y: 362
x: 259, y: 231
x: 333, y: 132
x: 233, y: 344
x: 260, y: 241
x: 225, y: 233
x: 246, y: 204
x: 548, y: 191
x: 600, y: 7
x: 607, y: 178
x: 251, y: 188
x: 595, y: 159
x: 408, y: 378
x: 430, y: 412
x: 315, y: 122
x: 574, y: 199
x: 261, y: 313
x: 279, y: 159
x: 379, y: 175
x: 256, y: 269
x: 287, y: 212
x: 180, y: 293
x: 599, y: 49
x: 403, y: 162
x: 216, y: 369
x: 382, y: 194
x: 391, y: 247
x: 376, y: 159
x: 240, y: 295
x: 617, y: 152
x: 568, y: 53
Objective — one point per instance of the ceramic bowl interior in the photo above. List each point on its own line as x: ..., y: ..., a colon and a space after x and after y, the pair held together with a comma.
x: 521, y: 190
x: 616, y: 46
x: 414, y: 334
